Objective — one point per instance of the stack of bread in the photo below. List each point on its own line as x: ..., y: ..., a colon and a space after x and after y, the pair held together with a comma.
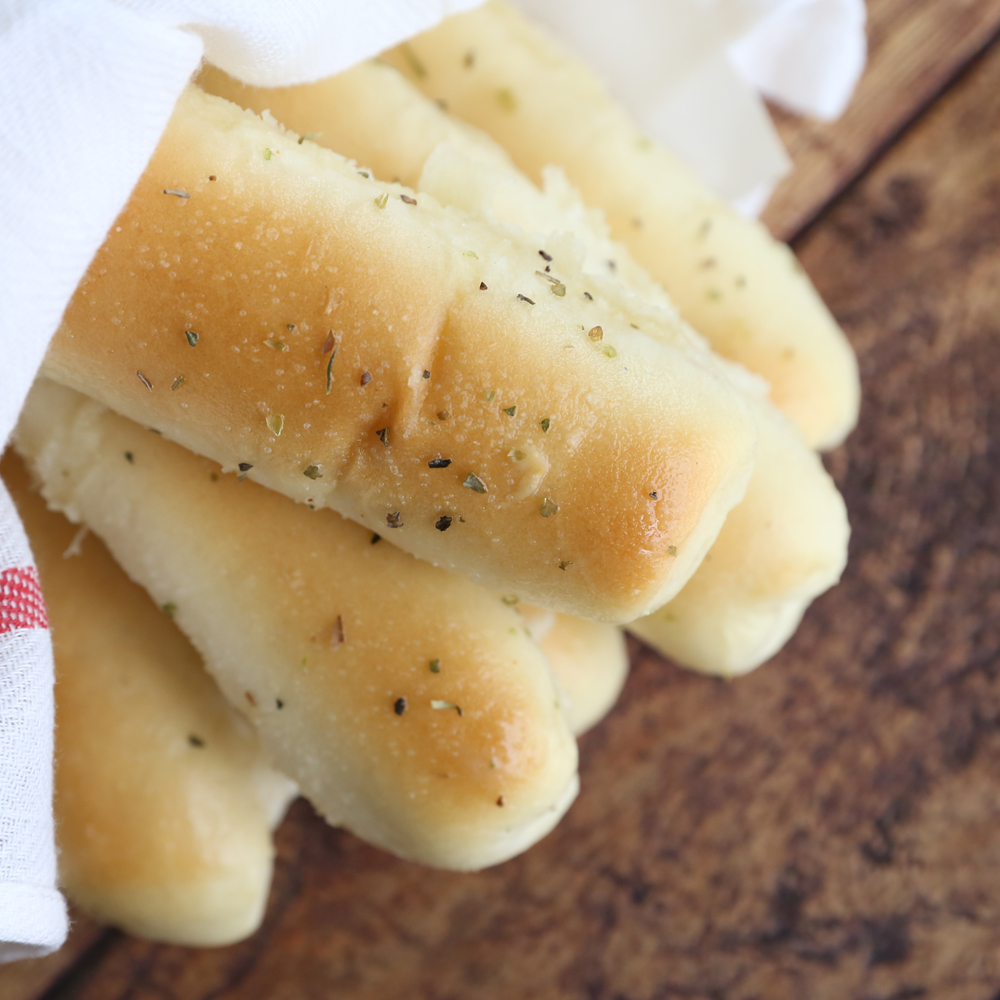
x: 386, y: 390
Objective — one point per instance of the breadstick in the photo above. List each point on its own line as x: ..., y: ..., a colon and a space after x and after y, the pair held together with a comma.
x: 786, y: 542
x: 589, y: 660
x: 410, y: 706
x: 406, y: 366
x: 164, y: 802
x: 745, y: 292
x: 781, y: 547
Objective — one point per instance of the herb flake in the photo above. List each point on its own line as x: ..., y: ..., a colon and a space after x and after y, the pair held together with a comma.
x: 439, y: 463
x: 275, y: 423
x: 443, y: 523
x: 473, y: 482
x: 510, y: 410
x: 524, y: 298
x: 329, y: 372
x: 407, y: 199
x: 169, y: 609
x: 383, y: 436
x: 275, y: 344
x: 399, y: 706
x: 192, y: 337
x: 506, y: 99
x: 176, y: 192
x: 418, y: 68
x: 441, y: 705
x: 394, y: 520
x: 545, y: 424
x: 382, y: 200
x: 434, y: 666
x: 337, y: 638
x: 145, y: 381
x: 548, y: 507
x: 177, y: 382
x: 313, y: 472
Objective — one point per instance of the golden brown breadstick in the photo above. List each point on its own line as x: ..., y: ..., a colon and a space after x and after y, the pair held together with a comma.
x: 785, y: 543
x: 264, y: 304
x: 737, y: 286
x: 164, y: 802
x: 781, y: 547
x: 411, y: 706
x: 589, y: 660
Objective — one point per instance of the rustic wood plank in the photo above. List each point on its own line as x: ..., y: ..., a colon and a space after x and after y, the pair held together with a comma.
x: 915, y: 48
x: 30, y: 979
x: 828, y: 827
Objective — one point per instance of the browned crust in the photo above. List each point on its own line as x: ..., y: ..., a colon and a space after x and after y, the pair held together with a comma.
x: 287, y: 244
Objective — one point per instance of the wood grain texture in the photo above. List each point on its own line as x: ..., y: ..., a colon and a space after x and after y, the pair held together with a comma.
x: 30, y: 979
x: 915, y: 48
x: 828, y: 828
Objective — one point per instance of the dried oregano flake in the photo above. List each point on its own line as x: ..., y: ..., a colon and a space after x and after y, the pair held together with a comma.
x: 329, y: 372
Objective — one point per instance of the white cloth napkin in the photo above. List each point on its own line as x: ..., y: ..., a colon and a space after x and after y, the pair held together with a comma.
x: 692, y: 72
x: 86, y: 88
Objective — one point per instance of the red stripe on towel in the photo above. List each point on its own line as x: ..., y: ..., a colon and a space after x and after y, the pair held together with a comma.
x: 21, y: 602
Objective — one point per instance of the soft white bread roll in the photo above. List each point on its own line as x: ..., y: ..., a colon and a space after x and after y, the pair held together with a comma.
x: 786, y: 542
x: 410, y: 706
x: 589, y: 660
x: 262, y: 302
x: 735, y: 284
x: 164, y: 802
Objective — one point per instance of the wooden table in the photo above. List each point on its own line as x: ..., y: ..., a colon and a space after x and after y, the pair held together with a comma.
x: 828, y: 827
